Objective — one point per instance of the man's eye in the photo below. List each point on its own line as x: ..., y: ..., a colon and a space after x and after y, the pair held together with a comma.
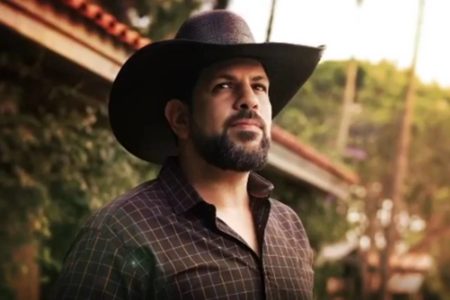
x: 260, y: 87
x: 222, y: 86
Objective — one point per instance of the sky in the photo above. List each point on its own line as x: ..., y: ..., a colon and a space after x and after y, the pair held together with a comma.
x: 376, y: 30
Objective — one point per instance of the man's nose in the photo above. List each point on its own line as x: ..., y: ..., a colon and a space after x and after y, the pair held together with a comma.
x: 246, y: 98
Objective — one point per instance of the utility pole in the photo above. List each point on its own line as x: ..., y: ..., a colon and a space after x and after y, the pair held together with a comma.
x: 347, y: 102
x: 270, y: 23
x: 349, y: 93
x: 401, y: 161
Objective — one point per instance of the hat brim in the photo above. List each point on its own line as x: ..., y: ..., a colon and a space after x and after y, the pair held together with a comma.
x: 149, y: 79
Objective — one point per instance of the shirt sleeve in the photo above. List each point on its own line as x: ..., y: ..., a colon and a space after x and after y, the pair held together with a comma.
x: 99, y: 266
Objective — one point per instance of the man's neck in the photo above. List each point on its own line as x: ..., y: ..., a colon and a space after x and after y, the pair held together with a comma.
x: 222, y: 188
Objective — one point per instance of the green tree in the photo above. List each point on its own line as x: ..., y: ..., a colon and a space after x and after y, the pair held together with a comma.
x: 313, y: 117
x: 59, y: 162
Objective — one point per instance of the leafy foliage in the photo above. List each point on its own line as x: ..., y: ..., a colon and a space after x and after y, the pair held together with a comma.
x: 314, y: 116
x: 58, y: 162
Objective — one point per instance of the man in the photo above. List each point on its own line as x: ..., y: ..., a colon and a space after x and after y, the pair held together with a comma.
x: 201, y: 104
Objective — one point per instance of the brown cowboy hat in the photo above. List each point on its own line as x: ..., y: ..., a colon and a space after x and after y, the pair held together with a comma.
x: 168, y: 69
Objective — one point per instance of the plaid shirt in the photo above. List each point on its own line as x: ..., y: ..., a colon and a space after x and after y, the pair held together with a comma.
x: 162, y: 241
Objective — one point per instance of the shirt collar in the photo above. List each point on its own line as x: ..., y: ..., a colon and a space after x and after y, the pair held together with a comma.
x: 182, y: 196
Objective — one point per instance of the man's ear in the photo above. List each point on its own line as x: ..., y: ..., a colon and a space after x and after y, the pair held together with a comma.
x: 177, y: 115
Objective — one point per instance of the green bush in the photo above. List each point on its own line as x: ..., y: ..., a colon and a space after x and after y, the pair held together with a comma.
x: 58, y: 163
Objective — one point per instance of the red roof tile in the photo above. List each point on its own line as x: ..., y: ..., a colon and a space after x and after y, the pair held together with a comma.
x: 108, y: 23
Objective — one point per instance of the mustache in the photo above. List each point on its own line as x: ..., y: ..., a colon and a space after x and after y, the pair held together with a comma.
x: 246, y: 114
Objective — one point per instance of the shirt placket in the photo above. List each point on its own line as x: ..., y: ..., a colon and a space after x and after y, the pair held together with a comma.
x: 260, y: 210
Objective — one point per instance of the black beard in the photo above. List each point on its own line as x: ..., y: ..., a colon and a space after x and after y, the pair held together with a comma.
x: 219, y: 150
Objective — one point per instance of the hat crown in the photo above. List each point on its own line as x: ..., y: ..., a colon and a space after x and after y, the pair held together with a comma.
x: 216, y: 27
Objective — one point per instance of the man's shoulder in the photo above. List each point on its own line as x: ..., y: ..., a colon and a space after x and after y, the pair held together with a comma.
x: 142, y: 201
x: 281, y: 208
x: 285, y: 215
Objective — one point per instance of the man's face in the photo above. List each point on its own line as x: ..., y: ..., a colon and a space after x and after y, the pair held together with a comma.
x: 232, y: 115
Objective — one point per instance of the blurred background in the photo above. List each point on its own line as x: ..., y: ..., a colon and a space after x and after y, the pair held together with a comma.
x: 361, y: 153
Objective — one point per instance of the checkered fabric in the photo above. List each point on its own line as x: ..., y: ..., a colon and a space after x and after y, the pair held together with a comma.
x: 162, y: 241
